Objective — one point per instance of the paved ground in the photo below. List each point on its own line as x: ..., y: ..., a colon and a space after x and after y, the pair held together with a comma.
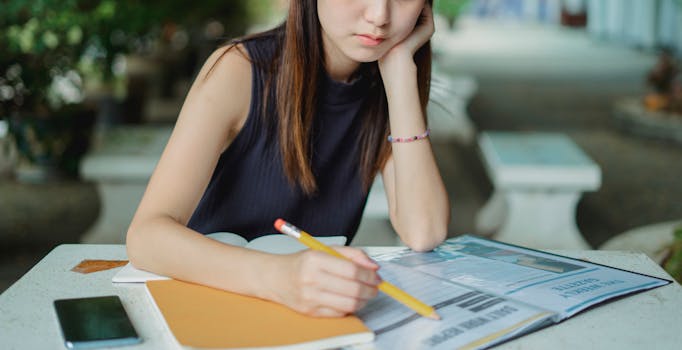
x: 530, y: 78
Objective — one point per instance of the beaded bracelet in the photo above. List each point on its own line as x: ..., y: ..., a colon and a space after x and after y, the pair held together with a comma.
x: 409, y: 139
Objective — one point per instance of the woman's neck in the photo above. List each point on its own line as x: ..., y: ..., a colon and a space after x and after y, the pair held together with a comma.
x: 339, y: 67
x: 341, y: 74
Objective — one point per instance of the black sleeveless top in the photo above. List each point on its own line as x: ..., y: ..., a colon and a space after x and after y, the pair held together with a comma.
x: 248, y: 190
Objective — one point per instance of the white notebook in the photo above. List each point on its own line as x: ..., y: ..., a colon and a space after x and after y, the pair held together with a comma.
x: 275, y: 243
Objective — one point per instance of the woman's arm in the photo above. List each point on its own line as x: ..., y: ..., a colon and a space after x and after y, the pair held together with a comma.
x: 159, y: 241
x: 418, y: 201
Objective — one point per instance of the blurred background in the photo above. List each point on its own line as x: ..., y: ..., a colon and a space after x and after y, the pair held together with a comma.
x: 89, y: 92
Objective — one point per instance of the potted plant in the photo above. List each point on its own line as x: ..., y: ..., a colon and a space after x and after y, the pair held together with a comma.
x: 62, y: 58
x: 41, y: 85
x: 53, y: 50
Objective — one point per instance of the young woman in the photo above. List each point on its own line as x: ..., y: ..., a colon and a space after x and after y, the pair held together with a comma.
x: 295, y: 123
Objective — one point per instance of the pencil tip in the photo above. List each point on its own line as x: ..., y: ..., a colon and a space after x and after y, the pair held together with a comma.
x: 434, y: 316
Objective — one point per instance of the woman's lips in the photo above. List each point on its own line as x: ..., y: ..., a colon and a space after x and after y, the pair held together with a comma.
x: 370, y: 40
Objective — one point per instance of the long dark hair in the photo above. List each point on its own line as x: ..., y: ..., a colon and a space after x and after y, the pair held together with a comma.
x: 297, y: 71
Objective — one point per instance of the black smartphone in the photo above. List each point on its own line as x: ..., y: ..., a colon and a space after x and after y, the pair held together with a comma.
x: 95, y: 322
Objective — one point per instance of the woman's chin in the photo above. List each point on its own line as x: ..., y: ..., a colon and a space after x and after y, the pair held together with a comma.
x: 365, y: 56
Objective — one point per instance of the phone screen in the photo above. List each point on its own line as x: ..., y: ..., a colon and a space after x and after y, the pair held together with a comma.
x: 95, y: 322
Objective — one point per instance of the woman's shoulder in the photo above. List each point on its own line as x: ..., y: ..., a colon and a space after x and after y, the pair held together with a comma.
x: 221, y: 92
x: 263, y: 47
x: 230, y: 61
x: 237, y: 58
x: 226, y: 73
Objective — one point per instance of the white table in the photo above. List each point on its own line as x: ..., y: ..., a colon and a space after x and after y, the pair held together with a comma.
x: 650, y: 319
x: 538, y: 179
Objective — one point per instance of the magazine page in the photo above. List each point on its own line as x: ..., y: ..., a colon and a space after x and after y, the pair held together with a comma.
x: 470, y: 318
x: 560, y: 284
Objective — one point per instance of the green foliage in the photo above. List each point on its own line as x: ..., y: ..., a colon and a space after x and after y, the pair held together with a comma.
x: 450, y: 9
x: 44, y: 40
x: 673, y: 265
x: 50, y: 48
x: 232, y: 14
x: 266, y: 11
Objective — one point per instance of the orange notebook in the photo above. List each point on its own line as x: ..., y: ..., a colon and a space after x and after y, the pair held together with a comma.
x: 203, y: 317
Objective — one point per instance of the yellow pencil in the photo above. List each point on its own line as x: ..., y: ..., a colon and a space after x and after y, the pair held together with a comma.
x: 390, y: 290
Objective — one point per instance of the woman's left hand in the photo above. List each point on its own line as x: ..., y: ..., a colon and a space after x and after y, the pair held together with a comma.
x: 404, y: 51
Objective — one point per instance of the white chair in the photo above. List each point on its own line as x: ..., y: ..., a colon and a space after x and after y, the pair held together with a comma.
x: 538, y: 179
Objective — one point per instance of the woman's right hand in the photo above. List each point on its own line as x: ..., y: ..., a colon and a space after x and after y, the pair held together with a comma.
x: 318, y: 284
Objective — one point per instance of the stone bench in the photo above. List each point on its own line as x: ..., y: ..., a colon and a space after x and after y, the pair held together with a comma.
x: 652, y: 239
x: 8, y: 151
x: 121, y: 164
x: 538, y: 179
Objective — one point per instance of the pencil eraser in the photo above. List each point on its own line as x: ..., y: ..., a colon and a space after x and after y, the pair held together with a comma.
x: 279, y: 223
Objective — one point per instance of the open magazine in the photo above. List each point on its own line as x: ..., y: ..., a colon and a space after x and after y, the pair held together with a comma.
x: 488, y: 292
